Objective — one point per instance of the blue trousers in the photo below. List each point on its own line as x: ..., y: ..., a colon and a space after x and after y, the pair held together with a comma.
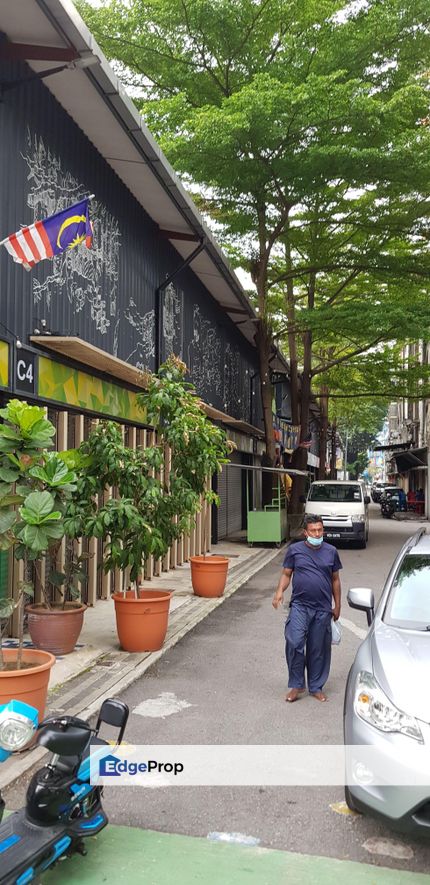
x: 308, y: 644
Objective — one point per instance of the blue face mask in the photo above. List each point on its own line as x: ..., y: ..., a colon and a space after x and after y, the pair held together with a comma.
x: 315, y: 542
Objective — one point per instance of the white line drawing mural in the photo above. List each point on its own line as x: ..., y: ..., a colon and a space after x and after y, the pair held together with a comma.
x: 231, y: 379
x: 204, y: 356
x: 173, y: 300
x: 145, y: 326
x: 87, y: 276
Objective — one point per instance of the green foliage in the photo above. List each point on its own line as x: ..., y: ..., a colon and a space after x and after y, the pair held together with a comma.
x: 35, y: 486
x: 148, y: 510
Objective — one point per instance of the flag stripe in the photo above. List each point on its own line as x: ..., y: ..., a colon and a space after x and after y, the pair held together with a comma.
x: 27, y: 233
x: 37, y: 239
x: 29, y: 257
x: 44, y: 237
x: 13, y: 239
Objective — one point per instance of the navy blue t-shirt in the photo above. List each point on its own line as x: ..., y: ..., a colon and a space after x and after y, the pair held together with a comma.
x: 312, y: 573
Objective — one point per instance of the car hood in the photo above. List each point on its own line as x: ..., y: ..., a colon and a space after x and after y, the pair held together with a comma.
x: 401, y: 665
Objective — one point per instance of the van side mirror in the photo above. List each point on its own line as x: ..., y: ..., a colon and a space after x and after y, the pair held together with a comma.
x: 367, y: 499
x: 302, y: 499
x: 362, y: 598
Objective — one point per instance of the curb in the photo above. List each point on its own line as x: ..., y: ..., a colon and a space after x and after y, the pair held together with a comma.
x: 182, y: 624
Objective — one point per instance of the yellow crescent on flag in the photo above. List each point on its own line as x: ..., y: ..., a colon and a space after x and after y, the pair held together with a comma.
x: 74, y: 219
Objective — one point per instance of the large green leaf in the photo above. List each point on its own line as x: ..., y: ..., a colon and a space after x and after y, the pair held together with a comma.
x: 37, y: 505
x: 54, y: 473
x: 38, y: 537
x: 7, y: 474
x: 7, y: 520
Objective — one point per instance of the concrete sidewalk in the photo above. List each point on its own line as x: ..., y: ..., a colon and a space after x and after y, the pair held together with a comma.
x: 98, y: 669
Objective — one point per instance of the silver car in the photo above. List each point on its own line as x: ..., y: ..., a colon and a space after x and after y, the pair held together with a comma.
x: 387, y: 698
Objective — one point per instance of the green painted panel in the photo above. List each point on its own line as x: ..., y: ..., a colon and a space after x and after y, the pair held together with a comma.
x: 4, y: 364
x: 267, y: 525
x: 80, y: 390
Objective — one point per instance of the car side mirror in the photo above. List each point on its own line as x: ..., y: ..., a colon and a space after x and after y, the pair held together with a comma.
x: 302, y: 499
x: 367, y: 499
x: 362, y: 598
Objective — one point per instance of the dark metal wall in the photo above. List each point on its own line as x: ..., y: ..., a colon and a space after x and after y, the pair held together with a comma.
x: 106, y: 295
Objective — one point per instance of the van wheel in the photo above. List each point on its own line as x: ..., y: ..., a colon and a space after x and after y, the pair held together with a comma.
x: 362, y: 544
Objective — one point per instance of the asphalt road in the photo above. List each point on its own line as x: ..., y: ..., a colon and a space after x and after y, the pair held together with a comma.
x: 230, y: 670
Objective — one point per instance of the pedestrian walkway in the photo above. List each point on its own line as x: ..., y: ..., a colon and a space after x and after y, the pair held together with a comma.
x: 99, y: 668
x: 130, y: 856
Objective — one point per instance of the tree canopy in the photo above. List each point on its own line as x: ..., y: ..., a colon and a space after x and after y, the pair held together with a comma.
x: 304, y: 125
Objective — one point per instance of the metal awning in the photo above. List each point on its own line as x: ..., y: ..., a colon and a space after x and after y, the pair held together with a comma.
x: 391, y: 447
x: 411, y: 459
x: 279, y: 470
x: 234, y: 423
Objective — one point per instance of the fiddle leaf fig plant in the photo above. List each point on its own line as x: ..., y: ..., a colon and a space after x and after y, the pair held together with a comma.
x: 149, y: 508
x: 35, y: 485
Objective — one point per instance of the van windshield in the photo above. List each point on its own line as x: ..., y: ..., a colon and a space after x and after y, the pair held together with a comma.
x: 333, y: 492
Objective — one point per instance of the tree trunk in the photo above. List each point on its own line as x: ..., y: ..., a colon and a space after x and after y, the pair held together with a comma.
x: 300, y: 456
x: 333, y: 471
x: 323, y: 431
x: 292, y: 344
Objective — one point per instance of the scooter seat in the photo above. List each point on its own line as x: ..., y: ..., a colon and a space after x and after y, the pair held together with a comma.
x: 68, y: 764
x: 71, y: 741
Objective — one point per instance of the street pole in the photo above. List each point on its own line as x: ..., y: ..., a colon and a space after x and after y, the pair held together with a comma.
x: 345, y: 454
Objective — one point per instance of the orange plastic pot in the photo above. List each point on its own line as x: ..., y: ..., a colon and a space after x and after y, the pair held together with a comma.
x: 31, y: 685
x: 142, y: 623
x: 55, y: 629
x: 208, y: 575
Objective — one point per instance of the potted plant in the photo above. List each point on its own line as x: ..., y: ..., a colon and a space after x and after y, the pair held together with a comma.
x: 149, y: 509
x: 34, y: 485
x: 198, y: 449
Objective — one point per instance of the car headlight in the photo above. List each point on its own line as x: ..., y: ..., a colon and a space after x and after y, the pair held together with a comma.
x: 18, y: 722
x: 360, y: 518
x: 372, y: 705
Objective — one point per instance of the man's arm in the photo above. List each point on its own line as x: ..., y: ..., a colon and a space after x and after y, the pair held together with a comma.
x: 335, y: 586
x: 284, y: 582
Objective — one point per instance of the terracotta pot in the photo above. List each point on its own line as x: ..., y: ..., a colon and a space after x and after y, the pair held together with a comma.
x: 55, y: 630
x: 208, y: 575
x: 29, y: 686
x: 142, y: 623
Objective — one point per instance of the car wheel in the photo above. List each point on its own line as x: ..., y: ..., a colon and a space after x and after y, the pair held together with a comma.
x: 350, y: 801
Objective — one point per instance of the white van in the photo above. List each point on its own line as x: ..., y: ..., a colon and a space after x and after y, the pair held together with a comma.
x: 343, y: 507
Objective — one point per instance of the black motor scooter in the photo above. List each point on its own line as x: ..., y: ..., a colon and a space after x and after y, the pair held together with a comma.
x: 388, y: 507
x: 62, y: 805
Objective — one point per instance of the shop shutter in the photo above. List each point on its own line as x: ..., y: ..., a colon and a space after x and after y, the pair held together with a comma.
x: 230, y: 492
x: 222, y: 509
x: 234, y: 498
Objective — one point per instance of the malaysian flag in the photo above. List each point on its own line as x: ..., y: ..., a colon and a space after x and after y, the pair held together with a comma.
x: 44, y: 239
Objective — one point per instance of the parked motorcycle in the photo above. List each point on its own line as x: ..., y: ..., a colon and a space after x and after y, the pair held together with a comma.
x: 62, y: 806
x: 388, y: 507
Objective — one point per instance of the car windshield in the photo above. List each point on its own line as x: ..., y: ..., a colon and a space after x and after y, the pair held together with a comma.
x: 409, y: 601
x: 334, y: 492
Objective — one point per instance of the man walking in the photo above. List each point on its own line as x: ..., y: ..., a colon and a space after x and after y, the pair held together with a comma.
x: 314, y: 566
